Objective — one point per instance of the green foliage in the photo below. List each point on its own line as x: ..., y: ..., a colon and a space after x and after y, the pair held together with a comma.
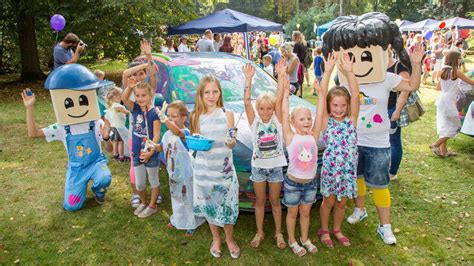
x: 306, y: 20
x: 108, y: 27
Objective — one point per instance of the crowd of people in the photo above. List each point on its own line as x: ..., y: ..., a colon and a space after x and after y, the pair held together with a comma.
x: 358, y: 154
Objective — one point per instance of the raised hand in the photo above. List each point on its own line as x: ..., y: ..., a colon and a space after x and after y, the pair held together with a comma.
x: 28, y: 97
x: 231, y: 136
x: 417, y: 53
x: 249, y: 71
x: 162, y: 113
x: 347, y: 63
x: 280, y: 67
x: 132, y: 81
x: 331, y: 61
x: 317, y: 87
x: 145, y: 47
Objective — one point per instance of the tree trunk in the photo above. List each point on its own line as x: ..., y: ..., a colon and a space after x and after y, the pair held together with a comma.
x: 30, y: 68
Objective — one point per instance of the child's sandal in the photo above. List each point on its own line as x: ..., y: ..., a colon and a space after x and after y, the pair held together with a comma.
x: 344, y: 241
x: 297, y: 249
x: 280, y: 241
x: 327, y: 242
x: 309, y: 246
x: 257, y: 239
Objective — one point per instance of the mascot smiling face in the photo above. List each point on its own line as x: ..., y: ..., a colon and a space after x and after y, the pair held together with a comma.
x: 366, y: 39
x: 74, y: 102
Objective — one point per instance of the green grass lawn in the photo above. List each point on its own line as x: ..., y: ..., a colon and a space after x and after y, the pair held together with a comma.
x: 432, y: 208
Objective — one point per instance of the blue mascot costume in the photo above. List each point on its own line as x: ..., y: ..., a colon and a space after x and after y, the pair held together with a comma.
x: 73, y: 92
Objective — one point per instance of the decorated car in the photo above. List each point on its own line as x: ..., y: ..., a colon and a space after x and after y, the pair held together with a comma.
x: 178, y: 77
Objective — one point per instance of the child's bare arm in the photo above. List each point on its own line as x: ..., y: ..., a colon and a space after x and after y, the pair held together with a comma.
x: 285, y: 111
x: 126, y: 94
x: 281, y: 71
x: 127, y: 73
x: 104, y: 130
x: 347, y: 67
x: 320, y: 122
x: 230, y: 124
x: 249, y: 72
x: 464, y: 78
x: 29, y: 100
x: 122, y: 110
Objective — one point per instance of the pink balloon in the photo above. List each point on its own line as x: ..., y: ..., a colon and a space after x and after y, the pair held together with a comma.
x: 57, y: 22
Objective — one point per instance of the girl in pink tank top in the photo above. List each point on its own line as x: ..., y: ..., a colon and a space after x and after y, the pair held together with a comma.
x: 300, y: 185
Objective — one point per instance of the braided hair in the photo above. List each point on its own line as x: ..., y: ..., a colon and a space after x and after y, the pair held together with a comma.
x: 372, y: 28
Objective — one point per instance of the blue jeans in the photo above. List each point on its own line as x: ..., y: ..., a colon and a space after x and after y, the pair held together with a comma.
x: 373, y: 165
x: 296, y: 194
x: 395, y: 145
x: 272, y: 175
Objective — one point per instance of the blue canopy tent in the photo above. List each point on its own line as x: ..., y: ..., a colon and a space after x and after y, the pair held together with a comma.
x: 323, y: 28
x: 419, y: 26
x: 459, y: 23
x: 226, y: 20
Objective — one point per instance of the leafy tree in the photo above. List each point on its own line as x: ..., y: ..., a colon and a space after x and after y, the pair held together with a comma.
x: 109, y: 27
x: 306, y: 19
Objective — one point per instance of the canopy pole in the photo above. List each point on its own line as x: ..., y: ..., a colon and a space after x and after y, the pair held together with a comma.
x: 247, y: 50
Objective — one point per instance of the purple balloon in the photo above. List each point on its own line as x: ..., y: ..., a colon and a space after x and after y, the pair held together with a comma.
x: 57, y: 22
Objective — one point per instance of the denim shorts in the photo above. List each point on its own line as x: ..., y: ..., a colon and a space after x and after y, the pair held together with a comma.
x: 272, y: 175
x: 152, y: 163
x: 373, y: 165
x: 296, y: 193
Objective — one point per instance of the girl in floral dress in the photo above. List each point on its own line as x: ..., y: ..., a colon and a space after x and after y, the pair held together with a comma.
x: 216, y: 188
x: 338, y: 175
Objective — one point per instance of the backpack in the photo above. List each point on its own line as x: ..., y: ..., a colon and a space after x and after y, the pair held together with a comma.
x: 308, y: 58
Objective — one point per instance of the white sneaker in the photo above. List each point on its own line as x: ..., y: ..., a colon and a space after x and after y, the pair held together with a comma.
x: 393, y: 177
x: 147, y: 212
x: 139, y: 209
x: 357, y: 216
x: 386, y: 234
x: 135, y: 201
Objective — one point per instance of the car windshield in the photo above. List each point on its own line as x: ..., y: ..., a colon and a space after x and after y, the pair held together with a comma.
x: 227, y: 70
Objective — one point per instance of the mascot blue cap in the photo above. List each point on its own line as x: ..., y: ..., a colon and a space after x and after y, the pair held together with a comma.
x: 73, y: 77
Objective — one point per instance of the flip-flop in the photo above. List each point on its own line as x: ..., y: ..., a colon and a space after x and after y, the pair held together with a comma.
x: 436, y: 151
x: 451, y: 153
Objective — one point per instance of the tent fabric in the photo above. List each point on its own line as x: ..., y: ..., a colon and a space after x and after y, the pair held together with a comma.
x: 226, y: 20
x: 420, y: 25
x: 460, y: 23
x: 405, y: 23
x: 323, y: 28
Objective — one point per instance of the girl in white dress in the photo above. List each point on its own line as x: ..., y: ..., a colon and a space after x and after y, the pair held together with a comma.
x: 216, y: 188
x: 448, y: 122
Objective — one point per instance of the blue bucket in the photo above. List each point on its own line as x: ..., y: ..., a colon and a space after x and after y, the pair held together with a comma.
x: 199, y: 143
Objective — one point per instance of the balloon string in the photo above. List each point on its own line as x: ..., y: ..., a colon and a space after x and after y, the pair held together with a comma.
x: 56, y: 41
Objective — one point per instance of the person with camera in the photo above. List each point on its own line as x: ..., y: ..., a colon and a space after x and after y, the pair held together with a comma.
x: 68, y: 50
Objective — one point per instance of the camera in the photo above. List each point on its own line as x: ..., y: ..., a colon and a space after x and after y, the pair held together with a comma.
x: 81, y: 43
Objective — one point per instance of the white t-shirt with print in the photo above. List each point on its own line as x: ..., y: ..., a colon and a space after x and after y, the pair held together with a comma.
x: 57, y: 131
x: 373, y: 124
x: 117, y: 118
x: 267, y: 143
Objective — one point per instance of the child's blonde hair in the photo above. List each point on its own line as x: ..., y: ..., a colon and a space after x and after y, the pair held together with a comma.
x: 451, y: 64
x: 297, y: 109
x: 99, y: 73
x: 199, y: 106
x: 267, y: 57
x: 266, y: 97
x: 181, y: 106
x: 339, y: 91
x: 144, y: 86
x: 115, y: 91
